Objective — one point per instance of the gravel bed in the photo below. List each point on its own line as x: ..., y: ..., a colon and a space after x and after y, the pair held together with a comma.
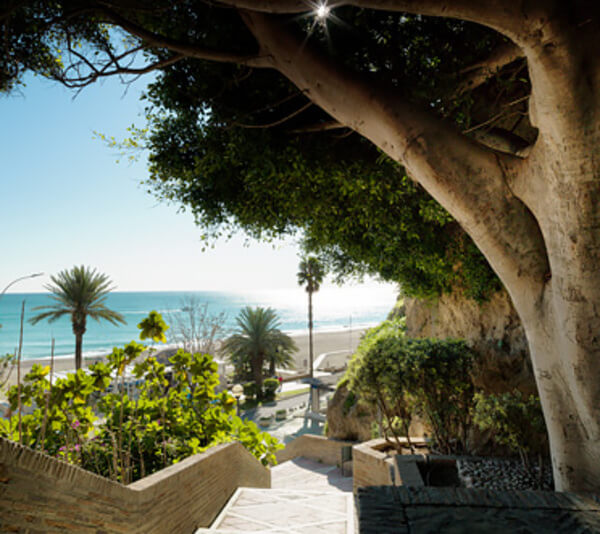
x: 502, y: 474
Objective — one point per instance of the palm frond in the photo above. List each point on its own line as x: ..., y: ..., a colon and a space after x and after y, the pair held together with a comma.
x: 310, y: 274
x: 79, y: 292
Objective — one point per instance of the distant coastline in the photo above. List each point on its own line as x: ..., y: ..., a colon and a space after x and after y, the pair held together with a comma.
x: 338, y: 310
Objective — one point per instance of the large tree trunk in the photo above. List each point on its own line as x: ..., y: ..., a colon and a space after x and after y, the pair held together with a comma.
x: 537, y: 220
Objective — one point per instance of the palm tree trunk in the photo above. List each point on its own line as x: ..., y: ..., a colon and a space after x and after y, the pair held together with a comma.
x: 272, y: 366
x: 78, y: 346
x: 257, y: 367
x: 310, y: 334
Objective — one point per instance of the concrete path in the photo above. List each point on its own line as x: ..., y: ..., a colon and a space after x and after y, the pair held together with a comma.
x: 305, y: 474
x: 306, y: 497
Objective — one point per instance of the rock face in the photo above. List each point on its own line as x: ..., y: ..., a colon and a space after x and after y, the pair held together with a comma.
x: 348, y: 418
x: 493, y: 329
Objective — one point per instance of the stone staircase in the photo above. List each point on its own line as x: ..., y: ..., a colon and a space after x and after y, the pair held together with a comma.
x: 305, y: 497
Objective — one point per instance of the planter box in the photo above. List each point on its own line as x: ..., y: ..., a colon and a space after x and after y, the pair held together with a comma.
x: 265, y: 421
x: 376, y: 463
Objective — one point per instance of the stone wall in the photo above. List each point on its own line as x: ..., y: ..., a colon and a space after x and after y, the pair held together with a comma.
x: 318, y: 448
x: 39, y: 493
x: 492, y: 328
x: 370, y: 466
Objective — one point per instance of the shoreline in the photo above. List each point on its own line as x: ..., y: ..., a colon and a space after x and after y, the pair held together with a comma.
x: 323, y: 342
x: 99, y: 354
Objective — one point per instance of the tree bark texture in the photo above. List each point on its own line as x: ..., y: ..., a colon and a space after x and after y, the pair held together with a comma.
x: 536, y: 219
x: 78, y: 351
x: 79, y: 325
x: 310, y: 335
x: 257, y: 372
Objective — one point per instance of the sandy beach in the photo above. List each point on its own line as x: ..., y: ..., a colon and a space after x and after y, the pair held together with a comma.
x: 323, y: 342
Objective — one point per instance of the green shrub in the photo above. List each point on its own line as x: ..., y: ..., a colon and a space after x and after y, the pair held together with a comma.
x: 405, y: 378
x: 515, y: 420
x: 250, y: 390
x: 168, y: 421
x: 349, y: 402
x: 270, y: 386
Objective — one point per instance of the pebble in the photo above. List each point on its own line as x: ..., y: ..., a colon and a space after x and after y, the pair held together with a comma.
x: 503, y: 474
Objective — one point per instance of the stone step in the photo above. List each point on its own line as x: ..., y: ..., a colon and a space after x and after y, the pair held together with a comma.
x: 286, y: 511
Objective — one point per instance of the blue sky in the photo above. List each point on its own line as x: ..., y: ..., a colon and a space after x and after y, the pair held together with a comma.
x: 65, y: 201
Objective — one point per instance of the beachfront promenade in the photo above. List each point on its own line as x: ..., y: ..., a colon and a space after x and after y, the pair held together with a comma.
x: 324, y: 342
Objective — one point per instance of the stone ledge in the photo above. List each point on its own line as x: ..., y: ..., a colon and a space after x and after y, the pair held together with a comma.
x: 60, y: 497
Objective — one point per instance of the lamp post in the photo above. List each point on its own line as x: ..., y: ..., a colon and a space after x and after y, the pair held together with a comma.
x: 18, y: 280
x: 34, y: 275
x: 237, y: 392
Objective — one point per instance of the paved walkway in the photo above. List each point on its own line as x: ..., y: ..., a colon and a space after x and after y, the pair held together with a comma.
x: 305, y: 474
x: 306, y: 497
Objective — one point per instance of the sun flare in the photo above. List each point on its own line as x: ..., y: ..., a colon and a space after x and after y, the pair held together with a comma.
x: 322, y: 11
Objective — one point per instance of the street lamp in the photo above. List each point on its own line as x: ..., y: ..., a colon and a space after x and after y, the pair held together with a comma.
x: 18, y: 280
x: 34, y: 275
x: 237, y: 391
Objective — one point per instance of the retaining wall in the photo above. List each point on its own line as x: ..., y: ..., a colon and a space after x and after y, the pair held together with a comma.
x: 39, y: 493
x: 318, y: 448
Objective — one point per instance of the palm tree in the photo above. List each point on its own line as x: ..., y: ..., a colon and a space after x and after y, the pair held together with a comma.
x: 310, y: 274
x: 79, y: 292
x: 281, y: 357
x: 258, y: 339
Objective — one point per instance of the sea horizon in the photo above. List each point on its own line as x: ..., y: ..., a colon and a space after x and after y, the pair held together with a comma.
x: 335, y: 309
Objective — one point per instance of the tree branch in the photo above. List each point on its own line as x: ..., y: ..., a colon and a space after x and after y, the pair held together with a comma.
x: 93, y: 72
x: 319, y: 127
x: 277, y: 122
x: 479, y: 73
x: 82, y: 81
x: 183, y: 48
x: 469, y: 180
x: 502, y: 15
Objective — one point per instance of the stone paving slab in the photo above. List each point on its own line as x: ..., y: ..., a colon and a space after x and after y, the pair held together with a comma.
x: 286, y: 511
x: 306, y: 497
x: 401, y: 510
x: 305, y: 474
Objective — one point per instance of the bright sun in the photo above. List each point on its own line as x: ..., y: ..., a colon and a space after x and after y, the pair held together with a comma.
x: 322, y: 11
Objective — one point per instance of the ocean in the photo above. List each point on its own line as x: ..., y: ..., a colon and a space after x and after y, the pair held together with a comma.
x: 334, y: 309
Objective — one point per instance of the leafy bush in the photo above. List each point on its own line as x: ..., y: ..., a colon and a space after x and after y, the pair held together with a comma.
x: 270, y: 386
x: 406, y: 378
x: 250, y: 390
x: 168, y: 421
x: 515, y: 420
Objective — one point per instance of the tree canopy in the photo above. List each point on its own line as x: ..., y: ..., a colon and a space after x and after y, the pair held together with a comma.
x: 244, y: 149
